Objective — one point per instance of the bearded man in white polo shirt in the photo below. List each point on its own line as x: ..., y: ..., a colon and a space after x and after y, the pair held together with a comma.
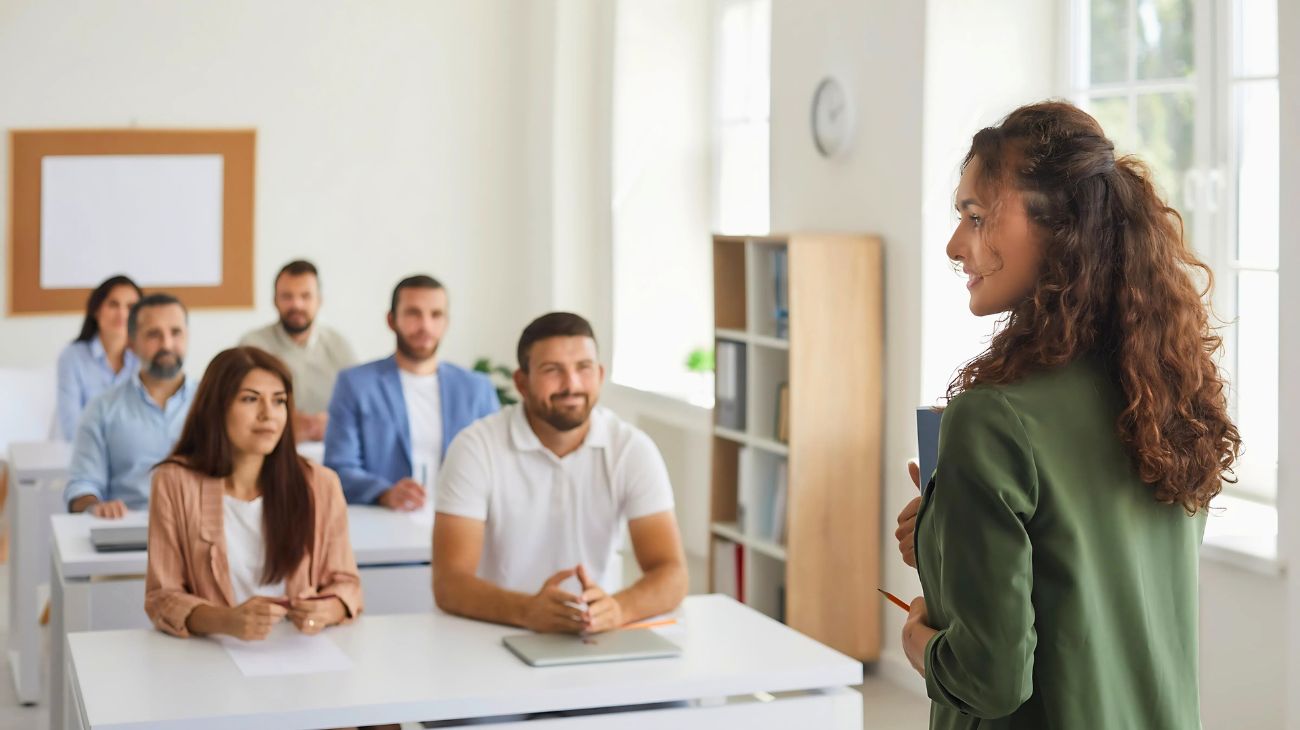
x: 531, y: 501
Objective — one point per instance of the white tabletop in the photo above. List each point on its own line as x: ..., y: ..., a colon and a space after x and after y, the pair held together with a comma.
x: 434, y: 666
x: 379, y: 536
x: 314, y: 450
x: 40, y: 459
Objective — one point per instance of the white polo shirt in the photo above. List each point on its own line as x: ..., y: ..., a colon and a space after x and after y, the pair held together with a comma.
x: 543, y: 513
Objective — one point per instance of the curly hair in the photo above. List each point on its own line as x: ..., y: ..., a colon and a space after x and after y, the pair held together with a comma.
x: 1117, y: 283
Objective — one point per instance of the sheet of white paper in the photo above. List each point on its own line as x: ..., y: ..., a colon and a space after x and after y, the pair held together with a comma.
x: 156, y: 218
x: 286, y: 651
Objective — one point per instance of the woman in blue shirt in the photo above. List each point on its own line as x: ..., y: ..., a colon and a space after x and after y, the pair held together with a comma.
x: 99, y: 357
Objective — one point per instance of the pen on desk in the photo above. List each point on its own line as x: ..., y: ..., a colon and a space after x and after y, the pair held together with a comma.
x: 651, y: 624
x: 895, y: 599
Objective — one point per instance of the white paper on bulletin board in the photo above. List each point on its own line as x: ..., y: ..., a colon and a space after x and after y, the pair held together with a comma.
x: 156, y: 218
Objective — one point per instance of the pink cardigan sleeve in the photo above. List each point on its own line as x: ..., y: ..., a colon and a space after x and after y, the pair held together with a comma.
x: 167, y: 597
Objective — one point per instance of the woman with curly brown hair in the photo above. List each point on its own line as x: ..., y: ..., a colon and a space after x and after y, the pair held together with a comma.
x: 1057, y: 540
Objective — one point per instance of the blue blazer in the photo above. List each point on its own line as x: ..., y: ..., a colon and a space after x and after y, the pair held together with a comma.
x: 368, y: 438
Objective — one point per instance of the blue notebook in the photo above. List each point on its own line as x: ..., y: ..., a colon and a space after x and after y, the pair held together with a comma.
x: 927, y: 443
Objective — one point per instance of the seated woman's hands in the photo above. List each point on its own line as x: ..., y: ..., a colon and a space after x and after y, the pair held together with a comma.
x: 253, y: 619
x: 312, y: 614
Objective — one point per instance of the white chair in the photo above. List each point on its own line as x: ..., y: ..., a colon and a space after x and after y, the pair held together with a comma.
x: 27, y: 413
x: 27, y: 398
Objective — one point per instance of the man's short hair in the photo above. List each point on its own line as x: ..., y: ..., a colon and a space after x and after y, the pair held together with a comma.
x: 555, y: 324
x: 159, y: 299
x: 297, y: 267
x: 419, y: 281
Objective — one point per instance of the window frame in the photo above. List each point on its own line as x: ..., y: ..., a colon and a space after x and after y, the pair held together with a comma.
x: 1209, y: 199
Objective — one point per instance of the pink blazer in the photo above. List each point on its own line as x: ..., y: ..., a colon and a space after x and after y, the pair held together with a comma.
x: 187, y: 548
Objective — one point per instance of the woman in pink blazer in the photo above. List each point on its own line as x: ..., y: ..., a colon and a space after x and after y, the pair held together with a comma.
x: 242, y: 531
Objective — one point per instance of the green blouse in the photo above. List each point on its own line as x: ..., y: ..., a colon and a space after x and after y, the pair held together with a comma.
x: 1065, y: 596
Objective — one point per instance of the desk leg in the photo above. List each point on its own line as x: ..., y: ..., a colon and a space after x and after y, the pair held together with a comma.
x: 24, y: 629
x: 58, y: 645
x: 29, y: 550
x: 76, y: 710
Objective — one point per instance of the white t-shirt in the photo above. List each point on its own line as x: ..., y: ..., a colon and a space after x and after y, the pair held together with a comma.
x: 543, y: 513
x: 246, y: 549
x: 424, y: 414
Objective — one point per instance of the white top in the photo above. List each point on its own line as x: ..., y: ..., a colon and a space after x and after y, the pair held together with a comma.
x: 314, y: 364
x: 431, y: 666
x: 246, y: 549
x: 544, y: 514
x: 424, y: 414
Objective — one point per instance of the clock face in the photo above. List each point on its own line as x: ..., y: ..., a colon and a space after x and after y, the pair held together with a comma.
x: 832, y: 118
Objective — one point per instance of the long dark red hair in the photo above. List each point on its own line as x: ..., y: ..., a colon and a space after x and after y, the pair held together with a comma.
x: 1119, y: 283
x: 288, y: 511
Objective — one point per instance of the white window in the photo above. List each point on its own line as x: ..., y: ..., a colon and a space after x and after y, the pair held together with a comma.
x: 742, y: 116
x: 691, y: 136
x: 1191, y: 87
x: 662, y: 287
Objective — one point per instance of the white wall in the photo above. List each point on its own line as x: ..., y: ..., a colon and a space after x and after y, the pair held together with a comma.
x: 390, y: 141
x: 877, y: 49
x: 1242, y: 661
x: 1288, y: 475
x: 979, y: 65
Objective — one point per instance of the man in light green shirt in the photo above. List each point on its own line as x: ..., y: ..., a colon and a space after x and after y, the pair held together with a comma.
x: 314, y: 352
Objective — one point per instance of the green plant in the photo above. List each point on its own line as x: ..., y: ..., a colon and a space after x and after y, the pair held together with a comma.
x: 502, y: 379
x: 700, y: 360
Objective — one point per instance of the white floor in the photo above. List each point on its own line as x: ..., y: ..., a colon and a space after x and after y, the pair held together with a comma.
x: 885, y: 705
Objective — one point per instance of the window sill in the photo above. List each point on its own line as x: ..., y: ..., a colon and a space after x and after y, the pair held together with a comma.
x: 627, y: 400
x: 1252, y: 554
x: 694, y: 390
x: 1243, y: 534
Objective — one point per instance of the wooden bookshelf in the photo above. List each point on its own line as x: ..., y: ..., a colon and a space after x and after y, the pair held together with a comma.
x: 818, y: 567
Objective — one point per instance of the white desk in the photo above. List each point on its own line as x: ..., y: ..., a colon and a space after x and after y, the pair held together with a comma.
x: 436, y: 667
x: 38, y: 470
x: 94, y: 591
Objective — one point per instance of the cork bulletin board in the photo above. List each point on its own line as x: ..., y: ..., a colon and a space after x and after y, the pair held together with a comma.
x: 172, y: 209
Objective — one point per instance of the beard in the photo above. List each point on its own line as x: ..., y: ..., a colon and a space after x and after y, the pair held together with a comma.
x: 560, y: 418
x: 416, y: 353
x: 165, y: 365
x: 298, y: 324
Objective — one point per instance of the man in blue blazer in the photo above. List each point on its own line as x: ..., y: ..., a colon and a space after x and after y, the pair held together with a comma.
x: 390, y: 421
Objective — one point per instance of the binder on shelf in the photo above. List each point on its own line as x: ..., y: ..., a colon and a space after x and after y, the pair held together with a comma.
x: 781, y: 291
x: 739, y: 555
x: 776, y: 531
x: 726, y: 577
x: 747, y: 497
x: 761, y: 495
x: 783, y: 413
x: 730, y: 364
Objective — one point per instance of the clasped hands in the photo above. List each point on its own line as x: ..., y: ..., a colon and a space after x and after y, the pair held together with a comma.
x: 555, y: 610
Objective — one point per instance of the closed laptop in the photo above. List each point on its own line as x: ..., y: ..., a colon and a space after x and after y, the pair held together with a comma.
x: 552, y: 650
